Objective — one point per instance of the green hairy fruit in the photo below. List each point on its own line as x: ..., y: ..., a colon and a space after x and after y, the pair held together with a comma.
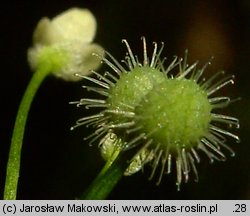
x: 164, y: 113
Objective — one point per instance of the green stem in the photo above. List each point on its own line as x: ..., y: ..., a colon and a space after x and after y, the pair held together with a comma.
x: 107, y: 178
x: 13, y: 166
x: 110, y: 161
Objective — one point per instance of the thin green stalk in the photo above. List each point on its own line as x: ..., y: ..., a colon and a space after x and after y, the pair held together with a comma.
x: 107, y: 179
x: 13, y: 165
x: 110, y: 161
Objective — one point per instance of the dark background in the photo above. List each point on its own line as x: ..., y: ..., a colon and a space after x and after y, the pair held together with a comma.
x: 57, y: 163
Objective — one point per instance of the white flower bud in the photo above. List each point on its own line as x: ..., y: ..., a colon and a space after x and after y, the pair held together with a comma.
x: 64, y: 44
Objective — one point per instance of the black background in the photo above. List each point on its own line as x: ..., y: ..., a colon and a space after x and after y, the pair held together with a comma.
x: 57, y: 163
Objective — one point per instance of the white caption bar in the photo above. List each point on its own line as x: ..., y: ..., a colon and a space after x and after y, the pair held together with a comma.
x: 126, y: 207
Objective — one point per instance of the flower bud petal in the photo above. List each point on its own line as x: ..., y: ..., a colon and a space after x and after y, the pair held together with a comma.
x: 82, y: 61
x: 73, y: 24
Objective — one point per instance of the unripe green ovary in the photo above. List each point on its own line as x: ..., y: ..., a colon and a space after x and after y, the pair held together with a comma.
x: 176, y: 111
x: 133, y: 86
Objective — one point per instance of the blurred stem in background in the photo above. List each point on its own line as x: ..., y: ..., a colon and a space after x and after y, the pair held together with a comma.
x: 13, y: 165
